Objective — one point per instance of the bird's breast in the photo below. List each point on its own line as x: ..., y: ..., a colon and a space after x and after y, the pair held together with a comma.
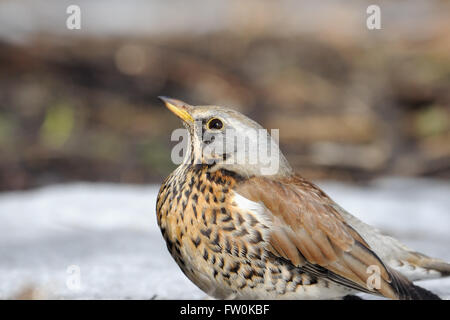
x: 217, y: 237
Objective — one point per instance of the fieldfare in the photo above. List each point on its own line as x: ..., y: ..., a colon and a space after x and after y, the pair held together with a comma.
x: 241, y: 229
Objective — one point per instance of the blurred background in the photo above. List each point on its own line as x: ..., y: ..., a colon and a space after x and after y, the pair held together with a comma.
x: 352, y: 105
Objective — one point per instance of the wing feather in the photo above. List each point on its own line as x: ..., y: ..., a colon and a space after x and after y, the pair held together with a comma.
x: 309, y: 232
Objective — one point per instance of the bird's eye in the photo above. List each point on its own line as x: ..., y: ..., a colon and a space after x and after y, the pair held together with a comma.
x: 214, y: 123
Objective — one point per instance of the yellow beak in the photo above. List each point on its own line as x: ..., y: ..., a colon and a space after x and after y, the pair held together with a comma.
x: 178, y: 107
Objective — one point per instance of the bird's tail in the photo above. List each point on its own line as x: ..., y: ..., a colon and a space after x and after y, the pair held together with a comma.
x: 417, y: 266
x: 435, y: 264
x: 406, y: 290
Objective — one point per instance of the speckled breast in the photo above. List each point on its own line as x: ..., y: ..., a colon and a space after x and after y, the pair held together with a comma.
x: 219, y: 242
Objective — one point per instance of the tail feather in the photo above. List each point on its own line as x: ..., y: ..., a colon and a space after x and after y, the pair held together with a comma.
x: 420, y: 293
x: 417, y: 266
x: 406, y: 290
x: 396, y: 253
x: 438, y: 265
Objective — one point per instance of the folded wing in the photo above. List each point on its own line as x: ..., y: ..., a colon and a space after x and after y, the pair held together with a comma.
x: 310, y: 233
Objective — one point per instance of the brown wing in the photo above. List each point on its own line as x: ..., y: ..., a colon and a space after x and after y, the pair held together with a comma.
x: 310, y: 233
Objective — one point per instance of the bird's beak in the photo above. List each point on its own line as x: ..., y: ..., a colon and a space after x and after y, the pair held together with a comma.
x: 179, y: 108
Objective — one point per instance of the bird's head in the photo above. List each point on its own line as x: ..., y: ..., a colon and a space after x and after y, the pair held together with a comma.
x: 223, y: 138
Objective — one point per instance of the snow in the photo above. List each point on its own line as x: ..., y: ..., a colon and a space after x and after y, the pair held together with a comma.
x: 109, y: 233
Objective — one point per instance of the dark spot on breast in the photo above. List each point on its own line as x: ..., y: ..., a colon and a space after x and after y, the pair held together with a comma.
x: 198, y: 184
x: 216, y: 240
x: 290, y: 278
x: 192, y: 182
x: 239, y: 218
x: 165, y: 198
x: 221, y: 262
x: 256, y: 254
x: 241, y: 233
x: 206, y: 232
x: 219, y: 180
x: 249, y: 274
x: 274, y: 270
x: 227, y: 246
x: 227, y: 218
x: 230, y: 227
x: 204, y: 215
x: 257, y: 237
x: 214, y: 216
x: 244, y: 250
x: 253, y: 222
x: 196, y: 241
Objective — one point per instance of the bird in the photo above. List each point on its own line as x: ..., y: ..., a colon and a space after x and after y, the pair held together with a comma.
x: 240, y: 231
